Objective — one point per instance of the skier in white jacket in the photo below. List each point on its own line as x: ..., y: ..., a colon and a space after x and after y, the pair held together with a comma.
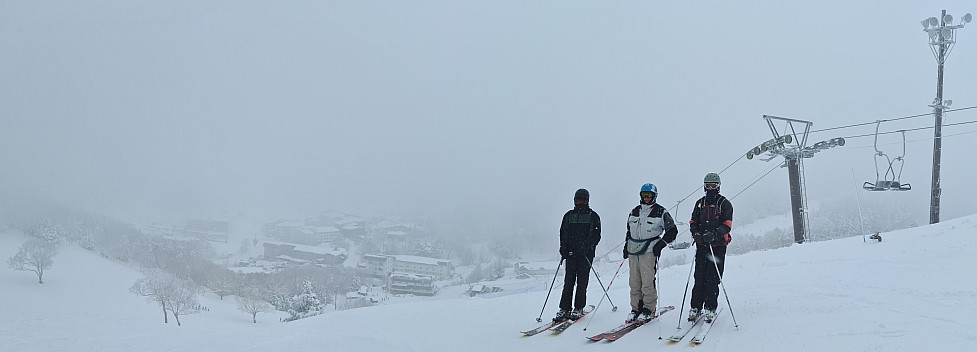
x: 650, y: 229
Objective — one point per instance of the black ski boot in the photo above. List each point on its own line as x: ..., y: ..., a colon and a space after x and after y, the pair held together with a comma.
x: 562, y: 315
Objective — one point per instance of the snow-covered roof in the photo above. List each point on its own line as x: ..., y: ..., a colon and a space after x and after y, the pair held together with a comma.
x: 375, y: 257
x: 349, y: 220
x: 312, y: 249
x: 387, y: 223
x: 403, y: 275
x: 538, y: 265
x: 291, y: 223
x: 321, y: 250
x: 421, y: 260
x: 292, y: 259
x: 324, y: 229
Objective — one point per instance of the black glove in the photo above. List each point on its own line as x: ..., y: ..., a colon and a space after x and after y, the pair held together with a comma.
x: 564, y: 253
x: 705, y: 237
x: 657, y: 249
x: 722, y: 229
x: 625, y: 253
x: 592, y: 252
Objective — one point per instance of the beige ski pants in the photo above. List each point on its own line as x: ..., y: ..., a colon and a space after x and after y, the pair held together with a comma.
x: 642, y: 281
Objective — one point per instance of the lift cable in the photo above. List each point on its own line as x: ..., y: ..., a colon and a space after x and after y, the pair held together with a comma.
x: 893, y: 119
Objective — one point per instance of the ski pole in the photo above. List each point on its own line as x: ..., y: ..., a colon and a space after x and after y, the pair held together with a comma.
x: 614, y: 307
x: 714, y: 263
x: 685, y: 293
x: 602, y: 297
x: 658, y: 293
x: 540, y: 318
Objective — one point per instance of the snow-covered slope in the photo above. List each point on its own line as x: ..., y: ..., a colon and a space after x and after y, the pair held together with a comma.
x: 913, y: 291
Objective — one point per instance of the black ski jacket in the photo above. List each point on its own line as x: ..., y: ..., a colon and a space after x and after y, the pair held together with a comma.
x: 580, y: 232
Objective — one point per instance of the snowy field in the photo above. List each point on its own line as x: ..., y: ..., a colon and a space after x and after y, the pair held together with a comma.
x: 912, y: 292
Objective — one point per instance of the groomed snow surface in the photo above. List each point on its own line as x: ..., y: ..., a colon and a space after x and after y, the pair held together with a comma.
x: 914, y: 291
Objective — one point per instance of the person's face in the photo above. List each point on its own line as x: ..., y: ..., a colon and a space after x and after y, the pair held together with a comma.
x: 579, y: 202
x: 647, y: 197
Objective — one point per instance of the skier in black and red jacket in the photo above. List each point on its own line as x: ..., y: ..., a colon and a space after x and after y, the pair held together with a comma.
x: 712, y: 219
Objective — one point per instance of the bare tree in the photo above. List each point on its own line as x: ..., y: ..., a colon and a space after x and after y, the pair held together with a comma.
x: 157, y: 287
x: 177, y: 296
x: 224, y: 282
x: 251, y: 305
x: 184, y: 300
x: 34, y: 255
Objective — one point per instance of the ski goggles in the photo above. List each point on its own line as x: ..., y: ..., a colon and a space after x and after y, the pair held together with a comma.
x: 711, y: 185
x: 647, y: 194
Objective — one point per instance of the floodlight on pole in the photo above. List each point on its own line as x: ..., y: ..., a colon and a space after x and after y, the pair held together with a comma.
x: 942, y: 37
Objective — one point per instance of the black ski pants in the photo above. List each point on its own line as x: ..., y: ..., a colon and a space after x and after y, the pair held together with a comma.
x: 577, y: 274
x: 705, y: 293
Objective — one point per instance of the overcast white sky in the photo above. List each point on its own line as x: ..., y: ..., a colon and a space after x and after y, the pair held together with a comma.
x: 211, y: 108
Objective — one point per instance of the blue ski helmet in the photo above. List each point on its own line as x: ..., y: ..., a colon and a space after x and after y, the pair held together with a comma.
x: 649, y: 187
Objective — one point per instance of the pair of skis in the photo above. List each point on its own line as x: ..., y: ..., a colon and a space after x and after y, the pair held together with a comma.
x: 701, y: 326
x: 558, y: 326
x: 618, y: 332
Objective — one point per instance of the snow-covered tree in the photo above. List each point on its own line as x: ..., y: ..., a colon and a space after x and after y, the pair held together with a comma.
x: 157, y: 287
x: 184, y: 300
x: 47, y: 230
x: 305, y: 304
x: 34, y: 255
x: 223, y: 282
x: 427, y: 249
x: 177, y: 296
x: 252, y: 305
x: 337, y: 282
x: 277, y: 292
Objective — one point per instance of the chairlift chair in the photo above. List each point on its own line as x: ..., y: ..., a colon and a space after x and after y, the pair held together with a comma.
x: 890, y: 181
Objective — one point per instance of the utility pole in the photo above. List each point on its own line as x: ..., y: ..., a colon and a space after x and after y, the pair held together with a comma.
x: 942, y: 38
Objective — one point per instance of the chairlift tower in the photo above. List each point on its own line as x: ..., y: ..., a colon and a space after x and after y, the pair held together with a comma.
x: 942, y: 36
x: 792, y: 145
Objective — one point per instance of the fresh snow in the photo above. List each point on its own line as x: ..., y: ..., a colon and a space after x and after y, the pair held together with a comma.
x: 912, y: 292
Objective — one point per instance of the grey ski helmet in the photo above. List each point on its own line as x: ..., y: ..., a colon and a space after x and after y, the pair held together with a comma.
x: 712, y: 177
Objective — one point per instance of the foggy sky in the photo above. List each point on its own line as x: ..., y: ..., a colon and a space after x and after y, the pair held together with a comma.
x: 149, y: 109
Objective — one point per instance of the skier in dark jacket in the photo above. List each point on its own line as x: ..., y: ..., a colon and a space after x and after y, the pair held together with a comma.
x: 579, y: 235
x: 712, y: 219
